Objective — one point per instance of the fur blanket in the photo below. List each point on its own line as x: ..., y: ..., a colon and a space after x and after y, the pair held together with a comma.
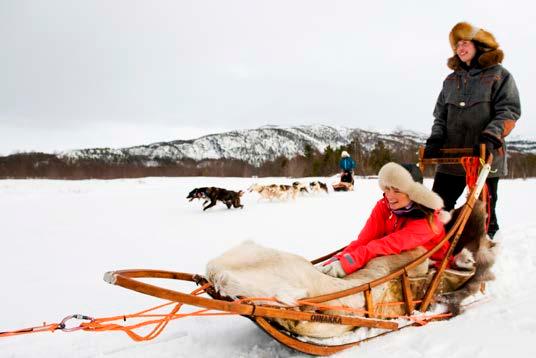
x: 484, y: 252
x: 250, y: 270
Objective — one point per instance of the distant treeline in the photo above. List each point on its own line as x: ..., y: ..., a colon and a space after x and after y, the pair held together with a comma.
x: 312, y: 163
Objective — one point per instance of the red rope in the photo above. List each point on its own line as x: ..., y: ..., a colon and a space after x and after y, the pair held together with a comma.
x: 472, y: 169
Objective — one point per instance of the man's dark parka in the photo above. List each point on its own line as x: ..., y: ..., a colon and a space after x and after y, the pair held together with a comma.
x: 475, y: 103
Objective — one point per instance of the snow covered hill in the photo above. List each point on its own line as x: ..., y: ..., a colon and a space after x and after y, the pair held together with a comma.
x: 256, y: 146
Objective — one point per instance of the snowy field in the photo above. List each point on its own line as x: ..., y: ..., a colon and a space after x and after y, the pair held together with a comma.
x: 59, y: 237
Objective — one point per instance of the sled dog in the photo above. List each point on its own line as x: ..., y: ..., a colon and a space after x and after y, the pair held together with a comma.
x: 299, y: 188
x: 212, y: 195
x: 269, y: 192
x: 318, y: 186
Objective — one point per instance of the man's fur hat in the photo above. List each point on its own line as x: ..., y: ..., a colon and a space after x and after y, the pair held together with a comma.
x: 395, y: 175
x: 488, y: 48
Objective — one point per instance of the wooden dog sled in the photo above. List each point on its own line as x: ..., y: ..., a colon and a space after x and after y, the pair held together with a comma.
x: 415, y: 294
x: 344, y: 185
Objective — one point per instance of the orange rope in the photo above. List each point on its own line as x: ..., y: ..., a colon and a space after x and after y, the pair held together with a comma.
x: 472, y: 169
x: 161, y: 320
x: 100, y: 324
x: 422, y: 320
x: 44, y: 328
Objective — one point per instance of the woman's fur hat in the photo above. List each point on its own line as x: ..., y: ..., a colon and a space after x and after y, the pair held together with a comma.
x: 395, y: 175
x: 344, y: 154
x: 487, y: 47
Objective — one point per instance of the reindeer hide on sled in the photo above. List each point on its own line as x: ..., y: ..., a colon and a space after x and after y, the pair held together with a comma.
x: 250, y: 270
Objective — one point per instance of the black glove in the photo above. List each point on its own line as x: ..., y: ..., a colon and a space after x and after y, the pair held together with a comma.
x: 489, y: 141
x: 432, y: 147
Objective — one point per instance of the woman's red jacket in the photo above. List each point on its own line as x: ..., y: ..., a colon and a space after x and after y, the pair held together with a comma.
x: 387, y: 234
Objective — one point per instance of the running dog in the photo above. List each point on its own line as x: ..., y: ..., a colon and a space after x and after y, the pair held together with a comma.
x: 299, y: 187
x: 317, y: 186
x: 269, y: 192
x: 278, y: 191
x: 213, y: 194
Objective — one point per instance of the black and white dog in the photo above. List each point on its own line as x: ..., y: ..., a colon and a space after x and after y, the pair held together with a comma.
x: 213, y: 194
x: 318, y: 186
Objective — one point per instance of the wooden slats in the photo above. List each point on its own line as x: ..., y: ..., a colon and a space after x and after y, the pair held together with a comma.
x: 406, y: 291
x: 458, y: 229
x: 369, y: 304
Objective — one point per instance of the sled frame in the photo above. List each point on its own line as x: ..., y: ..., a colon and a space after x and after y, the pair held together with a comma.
x: 260, y: 313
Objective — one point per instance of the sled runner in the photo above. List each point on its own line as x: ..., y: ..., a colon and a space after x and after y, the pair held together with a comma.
x: 414, y: 293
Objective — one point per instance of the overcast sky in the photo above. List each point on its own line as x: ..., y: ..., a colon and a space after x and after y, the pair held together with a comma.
x: 95, y: 73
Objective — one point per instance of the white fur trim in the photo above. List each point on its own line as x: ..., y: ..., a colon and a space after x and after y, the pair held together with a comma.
x: 444, y: 216
x: 395, y: 175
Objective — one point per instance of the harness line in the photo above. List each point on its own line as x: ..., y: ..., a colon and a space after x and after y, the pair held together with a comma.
x: 161, y: 320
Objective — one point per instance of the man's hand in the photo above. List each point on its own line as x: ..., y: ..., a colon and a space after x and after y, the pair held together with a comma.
x: 433, y: 146
x: 489, y: 141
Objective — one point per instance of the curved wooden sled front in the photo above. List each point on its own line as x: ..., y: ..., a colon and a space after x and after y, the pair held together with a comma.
x: 258, y: 313
x: 261, y: 314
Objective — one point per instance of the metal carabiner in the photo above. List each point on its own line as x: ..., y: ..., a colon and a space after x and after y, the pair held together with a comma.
x: 63, y: 322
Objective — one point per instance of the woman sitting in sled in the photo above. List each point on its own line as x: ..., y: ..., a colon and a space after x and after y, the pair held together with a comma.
x: 409, y: 215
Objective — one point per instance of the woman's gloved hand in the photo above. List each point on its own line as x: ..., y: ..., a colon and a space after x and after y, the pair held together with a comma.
x: 332, y: 268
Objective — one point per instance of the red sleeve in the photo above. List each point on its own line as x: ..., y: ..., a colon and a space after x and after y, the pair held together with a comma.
x: 415, y: 233
x: 374, y: 227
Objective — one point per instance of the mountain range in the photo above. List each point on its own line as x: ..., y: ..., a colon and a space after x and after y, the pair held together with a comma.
x: 256, y: 146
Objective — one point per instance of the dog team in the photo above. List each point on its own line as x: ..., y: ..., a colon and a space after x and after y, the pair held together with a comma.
x: 212, y: 195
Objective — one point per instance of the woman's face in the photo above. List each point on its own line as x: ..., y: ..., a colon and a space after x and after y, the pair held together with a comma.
x: 465, y: 50
x: 396, y: 198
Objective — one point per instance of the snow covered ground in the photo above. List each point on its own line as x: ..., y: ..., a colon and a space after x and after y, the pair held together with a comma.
x: 59, y: 237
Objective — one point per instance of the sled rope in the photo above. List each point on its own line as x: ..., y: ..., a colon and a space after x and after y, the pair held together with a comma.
x: 101, y: 324
x: 472, y: 167
x: 160, y: 321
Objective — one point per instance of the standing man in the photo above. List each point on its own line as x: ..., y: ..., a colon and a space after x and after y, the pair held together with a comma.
x: 479, y: 103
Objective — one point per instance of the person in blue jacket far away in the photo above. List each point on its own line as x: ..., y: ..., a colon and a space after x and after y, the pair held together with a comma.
x: 347, y: 165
